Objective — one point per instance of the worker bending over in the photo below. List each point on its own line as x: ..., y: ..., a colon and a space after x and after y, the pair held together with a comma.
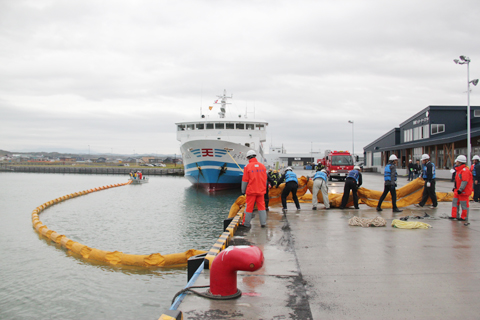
x: 352, y: 182
x: 291, y: 185
x: 320, y: 183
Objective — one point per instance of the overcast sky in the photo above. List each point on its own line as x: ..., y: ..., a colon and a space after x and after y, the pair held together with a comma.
x: 116, y: 75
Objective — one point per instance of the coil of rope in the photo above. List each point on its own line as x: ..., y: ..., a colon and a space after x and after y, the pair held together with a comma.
x: 365, y: 223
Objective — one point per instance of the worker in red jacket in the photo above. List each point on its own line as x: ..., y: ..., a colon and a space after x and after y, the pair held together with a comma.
x: 254, y: 186
x: 462, y: 189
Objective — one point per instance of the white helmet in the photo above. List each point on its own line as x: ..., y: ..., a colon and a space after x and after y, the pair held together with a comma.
x: 356, y: 168
x: 476, y: 158
x: 392, y: 158
x: 251, y: 154
x: 425, y: 157
x: 461, y: 158
x: 288, y: 168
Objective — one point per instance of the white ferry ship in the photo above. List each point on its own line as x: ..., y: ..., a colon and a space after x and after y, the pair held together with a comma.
x: 214, y: 148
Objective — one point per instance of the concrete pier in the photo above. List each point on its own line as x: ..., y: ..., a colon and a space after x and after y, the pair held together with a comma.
x: 318, y: 267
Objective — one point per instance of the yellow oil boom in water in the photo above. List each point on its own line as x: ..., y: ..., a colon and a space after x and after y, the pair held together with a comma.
x: 111, y: 257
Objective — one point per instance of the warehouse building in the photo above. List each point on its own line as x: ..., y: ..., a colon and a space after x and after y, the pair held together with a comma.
x: 440, y: 131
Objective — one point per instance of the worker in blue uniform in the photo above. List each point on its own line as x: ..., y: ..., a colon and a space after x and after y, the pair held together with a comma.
x: 352, y: 182
x: 291, y: 186
x: 320, y: 183
x: 390, y: 177
x: 428, y: 175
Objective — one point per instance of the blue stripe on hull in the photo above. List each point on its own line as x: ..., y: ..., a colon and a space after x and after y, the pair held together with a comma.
x: 213, y: 176
x: 212, y: 163
x: 210, y: 177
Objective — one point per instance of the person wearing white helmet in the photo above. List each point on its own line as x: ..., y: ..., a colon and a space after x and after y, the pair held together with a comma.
x: 390, y: 177
x: 476, y: 177
x: 254, y: 185
x: 352, y: 182
x: 462, y: 189
x: 428, y: 175
x: 320, y: 183
x: 291, y: 186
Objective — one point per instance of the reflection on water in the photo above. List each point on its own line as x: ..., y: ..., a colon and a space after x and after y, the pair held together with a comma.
x: 42, y: 280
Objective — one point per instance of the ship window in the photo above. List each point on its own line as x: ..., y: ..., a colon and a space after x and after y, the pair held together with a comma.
x: 260, y: 127
x: 200, y: 126
x: 230, y: 126
x: 190, y: 127
x: 219, y: 125
x: 247, y: 144
x: 250, y: 126
x: 209, y: 125
x: 240, y: 126
x: 181, y: 127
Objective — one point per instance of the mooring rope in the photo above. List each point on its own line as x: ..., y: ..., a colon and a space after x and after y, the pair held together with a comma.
x: 233, y: 159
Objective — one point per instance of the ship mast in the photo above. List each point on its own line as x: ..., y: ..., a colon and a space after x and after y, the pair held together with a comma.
x: 223, y: 103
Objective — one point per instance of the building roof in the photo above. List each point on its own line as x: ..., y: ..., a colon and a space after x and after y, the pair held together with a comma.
x: 447, y: 138
x: 432, y: 140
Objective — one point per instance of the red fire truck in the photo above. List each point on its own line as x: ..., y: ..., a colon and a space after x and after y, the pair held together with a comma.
x: 337, y: 164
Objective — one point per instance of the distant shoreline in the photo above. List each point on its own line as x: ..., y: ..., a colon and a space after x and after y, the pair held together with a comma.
x: 89, y: 169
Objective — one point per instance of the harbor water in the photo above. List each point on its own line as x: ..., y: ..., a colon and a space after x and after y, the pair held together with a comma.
x: 40, y: 280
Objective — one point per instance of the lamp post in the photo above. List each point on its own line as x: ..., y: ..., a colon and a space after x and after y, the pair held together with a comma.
x: 353, y: 143
x: 466, y: 60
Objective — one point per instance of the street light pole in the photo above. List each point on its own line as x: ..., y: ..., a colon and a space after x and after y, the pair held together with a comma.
x: 353, y: 143
x: 466, y: 60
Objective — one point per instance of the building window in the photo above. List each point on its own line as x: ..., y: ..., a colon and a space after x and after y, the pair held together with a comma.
x: 408, y: 135
x: 476, y: 113
x: 421, y: 132
x: 377, y: 159
x: 426, y: 132
x: 417, y: 153
x: 438, y: 128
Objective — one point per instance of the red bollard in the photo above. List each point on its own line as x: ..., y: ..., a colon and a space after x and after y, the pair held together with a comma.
x: 223, y: 272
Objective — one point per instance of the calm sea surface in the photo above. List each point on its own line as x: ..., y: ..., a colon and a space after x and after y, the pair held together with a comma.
x: 39, y: 280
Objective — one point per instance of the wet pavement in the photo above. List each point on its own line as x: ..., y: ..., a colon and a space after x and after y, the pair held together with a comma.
x: 318, y: 267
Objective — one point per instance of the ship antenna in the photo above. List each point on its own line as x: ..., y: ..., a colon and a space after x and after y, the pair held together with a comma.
x: 223, y: 103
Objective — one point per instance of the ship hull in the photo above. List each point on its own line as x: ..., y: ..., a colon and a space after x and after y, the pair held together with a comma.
x: 214, y: 164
